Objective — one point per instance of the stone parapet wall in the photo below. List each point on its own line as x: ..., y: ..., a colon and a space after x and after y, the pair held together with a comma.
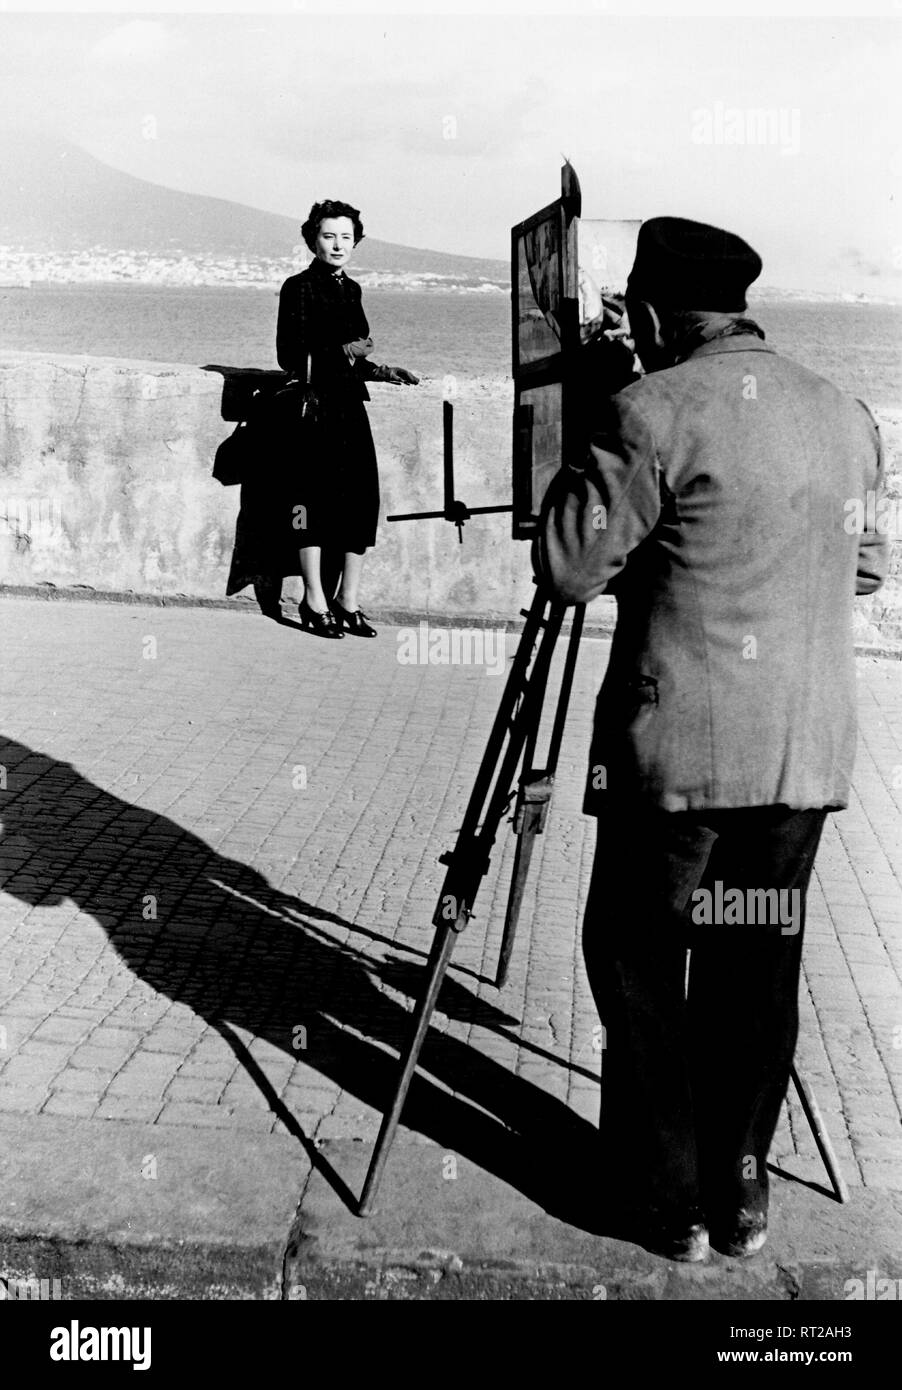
x: 106, y: 484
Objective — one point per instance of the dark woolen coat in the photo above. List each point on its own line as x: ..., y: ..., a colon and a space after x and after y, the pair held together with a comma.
x: 325, y: 477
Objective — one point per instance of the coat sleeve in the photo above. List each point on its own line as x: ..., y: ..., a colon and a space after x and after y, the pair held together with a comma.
x: 291, y: 336
x: 363, y: 366
x: 592, y: 520
x: 873, y: 547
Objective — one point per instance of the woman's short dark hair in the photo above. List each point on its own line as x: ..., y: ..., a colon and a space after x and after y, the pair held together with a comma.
x: 330, y: 208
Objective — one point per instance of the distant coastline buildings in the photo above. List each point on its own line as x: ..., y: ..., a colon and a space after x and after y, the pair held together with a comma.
x: 23, y: 269
x: 19, y: 267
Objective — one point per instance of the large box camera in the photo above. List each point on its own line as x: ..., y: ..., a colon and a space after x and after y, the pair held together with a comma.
x: 568, y: 276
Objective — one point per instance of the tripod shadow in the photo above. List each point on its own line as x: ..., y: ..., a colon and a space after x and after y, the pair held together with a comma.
x: 456, y: 1002
x: 245, y: 956
x: 798, y: 1181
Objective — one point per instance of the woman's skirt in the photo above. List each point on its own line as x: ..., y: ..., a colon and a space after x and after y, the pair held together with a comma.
x: 317, y: 485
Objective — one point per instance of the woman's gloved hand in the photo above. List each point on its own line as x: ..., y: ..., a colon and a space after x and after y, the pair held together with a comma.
x: 398, y: 376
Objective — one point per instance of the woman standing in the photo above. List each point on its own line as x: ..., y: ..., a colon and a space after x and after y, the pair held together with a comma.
x: 327, y: 498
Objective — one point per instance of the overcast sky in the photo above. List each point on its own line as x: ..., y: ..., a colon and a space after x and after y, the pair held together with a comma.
x: 446, y: 129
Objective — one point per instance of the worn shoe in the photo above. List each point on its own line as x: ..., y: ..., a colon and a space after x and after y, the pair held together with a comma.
x: 687, y: 1243
x: 743, y: 1235
x: 322, y: 624
x: 355, y: 622
x: 679, y: 1234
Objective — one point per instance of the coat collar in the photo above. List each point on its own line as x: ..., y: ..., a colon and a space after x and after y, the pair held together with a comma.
x: 738, y: 342
x: 321, y: 271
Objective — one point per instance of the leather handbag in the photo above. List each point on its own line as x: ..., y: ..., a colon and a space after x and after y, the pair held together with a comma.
x: 235, y: 457
x: 245, y: 452
x: 271, y: 417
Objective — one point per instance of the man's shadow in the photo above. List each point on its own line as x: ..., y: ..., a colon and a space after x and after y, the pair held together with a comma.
x: 244, y: 955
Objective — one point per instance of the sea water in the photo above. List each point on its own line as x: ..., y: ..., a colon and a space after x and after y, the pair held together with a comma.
x: 435, y: 333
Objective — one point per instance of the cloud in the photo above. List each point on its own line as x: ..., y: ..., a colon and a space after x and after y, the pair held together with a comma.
x: 140, y: 41
x: 358, y: 119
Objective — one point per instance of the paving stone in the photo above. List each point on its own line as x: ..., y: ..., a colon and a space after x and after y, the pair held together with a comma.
x: 193, y: 1088
x: 61, y: 1030
x: 25, y: 1071
x: 128, y: 1107
x: 71, y: 1103
x: 138, y: 1084
x: 100, y: 1058
x: 22, y: 1099
x: 886, y: 1173
x: 175, y: 1044
x: 86, y: 1082
x: 191, y: 1113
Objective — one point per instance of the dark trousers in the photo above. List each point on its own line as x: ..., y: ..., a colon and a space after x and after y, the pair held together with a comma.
x: 693, y: 1079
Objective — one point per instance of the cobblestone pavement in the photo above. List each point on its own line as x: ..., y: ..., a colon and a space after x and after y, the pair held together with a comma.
x: 219, y: 867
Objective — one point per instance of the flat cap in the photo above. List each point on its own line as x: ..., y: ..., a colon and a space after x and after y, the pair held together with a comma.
x: 689, y: 265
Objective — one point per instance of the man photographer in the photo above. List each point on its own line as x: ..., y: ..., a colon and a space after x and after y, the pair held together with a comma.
x: 712, y: 498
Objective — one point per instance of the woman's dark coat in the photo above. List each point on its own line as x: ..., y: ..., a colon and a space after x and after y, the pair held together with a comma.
x: 319, y: 484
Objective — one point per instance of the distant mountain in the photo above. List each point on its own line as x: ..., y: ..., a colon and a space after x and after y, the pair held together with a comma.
x: 56, y: 197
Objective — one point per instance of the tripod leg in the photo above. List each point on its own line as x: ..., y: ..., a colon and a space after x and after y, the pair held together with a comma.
x: 531, y: 817
x: 522, y: 857
x: 821, y: 1137
x: 534, y: 798
x: 443, y: 946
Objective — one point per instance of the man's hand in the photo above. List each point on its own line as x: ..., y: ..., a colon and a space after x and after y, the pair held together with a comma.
x: 398, y: 376
x: 591, y: 305
x: 360, y: 347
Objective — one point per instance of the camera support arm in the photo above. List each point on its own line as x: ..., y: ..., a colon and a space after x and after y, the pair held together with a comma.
x: 455, y: 511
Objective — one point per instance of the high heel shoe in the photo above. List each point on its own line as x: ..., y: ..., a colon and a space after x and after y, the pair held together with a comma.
x: 322, y: 624
x: 355, y: 622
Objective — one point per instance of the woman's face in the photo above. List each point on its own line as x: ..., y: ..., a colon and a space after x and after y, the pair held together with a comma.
x: 335, y: 240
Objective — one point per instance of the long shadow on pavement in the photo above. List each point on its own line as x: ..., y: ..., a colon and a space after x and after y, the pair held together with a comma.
x: 244, y: 955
